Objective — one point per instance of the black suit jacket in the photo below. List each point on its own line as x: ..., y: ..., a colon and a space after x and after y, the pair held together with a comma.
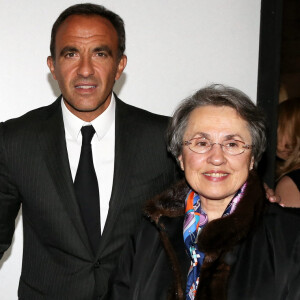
x: 58, y: 262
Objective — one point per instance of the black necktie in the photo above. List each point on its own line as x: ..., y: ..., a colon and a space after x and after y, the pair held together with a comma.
x: 86, y: 189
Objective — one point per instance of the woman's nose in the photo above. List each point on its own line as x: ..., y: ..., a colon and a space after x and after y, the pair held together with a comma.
x: 216, y: 155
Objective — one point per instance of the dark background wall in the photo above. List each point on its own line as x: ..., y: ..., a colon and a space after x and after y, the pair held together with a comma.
x: 290, y: 50
x: 268, y: 79
x: 279, y: 68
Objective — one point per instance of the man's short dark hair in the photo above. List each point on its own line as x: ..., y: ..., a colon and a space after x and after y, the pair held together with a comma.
x: 90, y: 9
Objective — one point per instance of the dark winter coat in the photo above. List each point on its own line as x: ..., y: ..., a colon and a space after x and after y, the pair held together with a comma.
x: 252, y: 254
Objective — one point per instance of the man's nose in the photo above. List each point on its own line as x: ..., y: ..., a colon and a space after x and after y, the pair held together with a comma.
x: 86, y: 67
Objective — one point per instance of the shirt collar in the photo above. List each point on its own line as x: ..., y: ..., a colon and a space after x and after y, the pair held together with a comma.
x: 101, y: 124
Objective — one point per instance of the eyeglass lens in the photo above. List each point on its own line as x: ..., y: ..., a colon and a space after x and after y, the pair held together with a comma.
x: 233, y: 147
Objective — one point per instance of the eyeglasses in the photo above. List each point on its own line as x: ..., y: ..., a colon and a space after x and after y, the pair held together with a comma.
x: 202, y: 145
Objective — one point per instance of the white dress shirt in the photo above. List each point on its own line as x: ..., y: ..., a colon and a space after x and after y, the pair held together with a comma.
x: 103, y: 148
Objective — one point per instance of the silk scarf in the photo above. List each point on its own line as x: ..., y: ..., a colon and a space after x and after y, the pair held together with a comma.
x: 196, y: 219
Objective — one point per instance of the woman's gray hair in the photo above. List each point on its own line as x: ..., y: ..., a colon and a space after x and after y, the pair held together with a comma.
x: 218, y: 95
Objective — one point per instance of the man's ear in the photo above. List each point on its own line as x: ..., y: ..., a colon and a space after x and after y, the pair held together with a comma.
x: 181, y: 162
x: 121, y: 66
x: 50, y: 63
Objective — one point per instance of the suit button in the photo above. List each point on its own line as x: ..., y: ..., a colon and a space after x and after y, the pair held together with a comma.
x: 97, y: 264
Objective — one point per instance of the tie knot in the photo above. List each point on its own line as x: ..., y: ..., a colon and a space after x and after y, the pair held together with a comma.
x: 87, y: 134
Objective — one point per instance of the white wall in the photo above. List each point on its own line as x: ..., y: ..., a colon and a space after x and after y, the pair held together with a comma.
x: 174, y: 47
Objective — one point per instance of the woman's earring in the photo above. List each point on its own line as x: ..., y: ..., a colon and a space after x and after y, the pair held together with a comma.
x: 251, y: 164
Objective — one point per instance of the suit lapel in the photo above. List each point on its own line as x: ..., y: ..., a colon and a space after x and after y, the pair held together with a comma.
x: 125, y: 148
x: 53, y: 144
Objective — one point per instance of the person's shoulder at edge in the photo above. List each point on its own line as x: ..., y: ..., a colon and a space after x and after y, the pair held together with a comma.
x: 33, y: 115
x: 139, y: 113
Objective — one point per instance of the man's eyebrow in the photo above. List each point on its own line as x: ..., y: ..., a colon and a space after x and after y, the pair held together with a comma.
x: 103, y: 48
x: 68, y: 49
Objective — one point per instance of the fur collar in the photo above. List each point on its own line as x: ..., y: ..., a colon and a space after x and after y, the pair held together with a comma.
x: 218, y: 240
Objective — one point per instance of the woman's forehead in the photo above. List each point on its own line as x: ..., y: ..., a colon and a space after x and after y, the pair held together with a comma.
x: 217, y: 120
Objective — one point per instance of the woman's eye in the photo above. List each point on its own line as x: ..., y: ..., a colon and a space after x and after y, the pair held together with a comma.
x: 232, y: 144
x: 202, y: 143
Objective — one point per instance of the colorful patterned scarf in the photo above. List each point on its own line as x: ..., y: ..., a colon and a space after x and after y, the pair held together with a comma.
x: 195, y: 220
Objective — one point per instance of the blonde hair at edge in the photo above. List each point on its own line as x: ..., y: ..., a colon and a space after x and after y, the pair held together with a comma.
x: 289, y: 129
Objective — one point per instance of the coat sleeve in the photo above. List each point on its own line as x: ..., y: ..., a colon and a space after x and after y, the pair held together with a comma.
x: 9, y: 199
x: 294, y: 281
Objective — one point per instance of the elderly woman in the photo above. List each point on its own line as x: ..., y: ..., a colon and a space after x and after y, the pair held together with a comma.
x: 214, y: 235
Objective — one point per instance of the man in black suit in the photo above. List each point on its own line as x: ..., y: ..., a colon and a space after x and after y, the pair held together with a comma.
x: 40, y: 153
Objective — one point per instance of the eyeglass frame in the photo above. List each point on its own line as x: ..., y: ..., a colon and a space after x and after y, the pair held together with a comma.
x: 245, y: 146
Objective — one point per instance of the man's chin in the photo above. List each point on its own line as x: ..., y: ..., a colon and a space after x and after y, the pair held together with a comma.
x: 87, y: 105
x: 84, y: 108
